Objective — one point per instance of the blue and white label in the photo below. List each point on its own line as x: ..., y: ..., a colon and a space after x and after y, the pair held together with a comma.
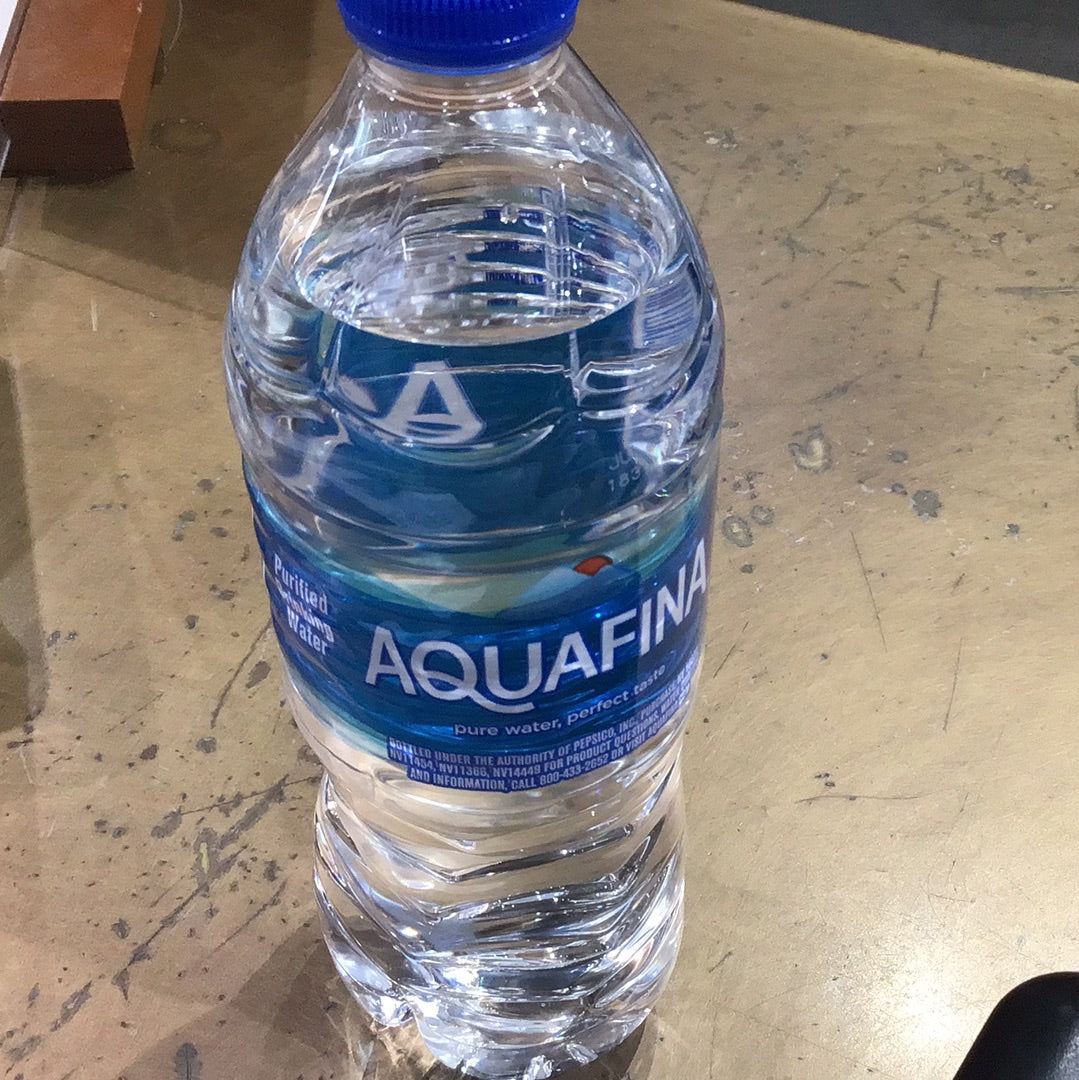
x: 500, y: 681
x: 578, y: 754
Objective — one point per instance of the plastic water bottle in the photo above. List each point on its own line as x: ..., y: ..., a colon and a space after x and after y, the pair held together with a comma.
x: 473, y: 359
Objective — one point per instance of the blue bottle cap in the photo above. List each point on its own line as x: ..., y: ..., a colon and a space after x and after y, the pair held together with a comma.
x: 458, y: 35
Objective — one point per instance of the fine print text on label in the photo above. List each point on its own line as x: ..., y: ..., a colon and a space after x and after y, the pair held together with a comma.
x: 522, y: 772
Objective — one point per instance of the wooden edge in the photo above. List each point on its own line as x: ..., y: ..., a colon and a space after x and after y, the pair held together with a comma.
x: 89, y: 125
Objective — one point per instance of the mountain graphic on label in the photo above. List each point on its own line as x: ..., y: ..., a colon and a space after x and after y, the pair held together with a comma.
x: 525, y: 595
x: 586, y: 585
x: 593, y: 565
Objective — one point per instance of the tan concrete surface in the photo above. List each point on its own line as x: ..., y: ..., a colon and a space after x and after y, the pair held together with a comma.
x: 883, y: 798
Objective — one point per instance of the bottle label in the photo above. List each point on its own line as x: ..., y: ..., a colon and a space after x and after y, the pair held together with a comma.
x: 503, y: 681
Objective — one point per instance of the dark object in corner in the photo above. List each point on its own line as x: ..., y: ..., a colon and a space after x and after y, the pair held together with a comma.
x: 1038, y: 35
x: 1033, y: 1034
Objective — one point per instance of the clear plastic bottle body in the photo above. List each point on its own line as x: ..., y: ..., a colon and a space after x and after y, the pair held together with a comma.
x: 473, y: 342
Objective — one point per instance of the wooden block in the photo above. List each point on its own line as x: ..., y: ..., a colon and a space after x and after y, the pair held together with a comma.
x: 75, y: 97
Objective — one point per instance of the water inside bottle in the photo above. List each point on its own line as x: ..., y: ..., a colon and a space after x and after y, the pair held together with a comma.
x: 482, y: 353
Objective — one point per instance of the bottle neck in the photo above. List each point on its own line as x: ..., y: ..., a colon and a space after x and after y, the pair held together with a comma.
x: 466, y: 90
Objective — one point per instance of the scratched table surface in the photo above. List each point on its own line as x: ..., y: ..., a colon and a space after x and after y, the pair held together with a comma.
x: 884, y: 805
